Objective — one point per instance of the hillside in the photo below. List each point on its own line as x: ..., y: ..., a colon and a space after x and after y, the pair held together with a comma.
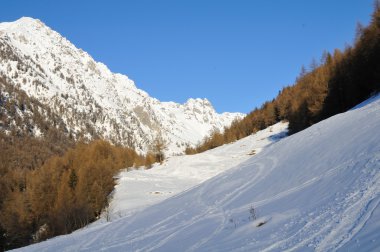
x: 91, y: 101
x: 317, y: 190
x: 337, y: 82
x: 137, y: 189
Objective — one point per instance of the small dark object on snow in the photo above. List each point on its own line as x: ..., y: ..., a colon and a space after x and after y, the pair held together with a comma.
x: 261, y: 223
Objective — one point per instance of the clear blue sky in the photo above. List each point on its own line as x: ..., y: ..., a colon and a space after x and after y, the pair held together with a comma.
x: 236, y: 53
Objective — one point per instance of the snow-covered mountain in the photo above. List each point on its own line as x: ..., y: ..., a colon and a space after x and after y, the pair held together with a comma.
x: 317, y: 190
x: 91, y: 100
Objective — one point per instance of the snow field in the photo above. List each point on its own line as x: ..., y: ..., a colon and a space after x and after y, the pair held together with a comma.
x: 318, y: 190
x: 137, y: 189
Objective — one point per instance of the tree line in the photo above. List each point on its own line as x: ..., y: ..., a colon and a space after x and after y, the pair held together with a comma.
x: 338, y: 82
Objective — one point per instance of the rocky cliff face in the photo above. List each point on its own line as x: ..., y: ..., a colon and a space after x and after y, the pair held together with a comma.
x: 89, y: 99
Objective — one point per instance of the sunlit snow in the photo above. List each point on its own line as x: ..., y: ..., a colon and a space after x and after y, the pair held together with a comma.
x: 318, y: 190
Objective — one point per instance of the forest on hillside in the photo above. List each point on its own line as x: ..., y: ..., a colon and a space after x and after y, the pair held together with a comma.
x: 341, y: 80
x: 65, y: 193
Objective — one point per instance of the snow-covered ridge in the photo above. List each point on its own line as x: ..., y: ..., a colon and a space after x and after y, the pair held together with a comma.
x: 317, y: 190
x: 92, y: 100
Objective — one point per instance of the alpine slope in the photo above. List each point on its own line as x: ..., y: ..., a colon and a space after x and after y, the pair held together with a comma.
x: 137, y: 189
x: 317, y: 190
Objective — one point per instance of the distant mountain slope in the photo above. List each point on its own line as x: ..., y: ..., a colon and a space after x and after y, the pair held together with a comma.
x: 90, y: 99
x: 23, y: 120
x: 316, y: 190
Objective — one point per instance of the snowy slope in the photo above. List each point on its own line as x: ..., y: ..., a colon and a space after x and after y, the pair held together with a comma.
x: 318, y: 190
x: 92, y: 100
x: 138, y: 189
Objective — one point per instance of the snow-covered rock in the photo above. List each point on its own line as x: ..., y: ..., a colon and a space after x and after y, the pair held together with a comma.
x: 92, y: 100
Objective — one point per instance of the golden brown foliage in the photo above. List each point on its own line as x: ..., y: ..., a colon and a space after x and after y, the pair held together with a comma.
x: 65, y: 193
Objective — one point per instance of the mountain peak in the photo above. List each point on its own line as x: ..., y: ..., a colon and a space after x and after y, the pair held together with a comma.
x: 23, y: 22
x: 91, y: 100
x: 28, y: 20
x: 198, y: 102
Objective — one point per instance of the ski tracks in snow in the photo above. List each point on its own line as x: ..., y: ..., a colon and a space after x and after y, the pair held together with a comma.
x: 218, y: 206
x: 328, y: 229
